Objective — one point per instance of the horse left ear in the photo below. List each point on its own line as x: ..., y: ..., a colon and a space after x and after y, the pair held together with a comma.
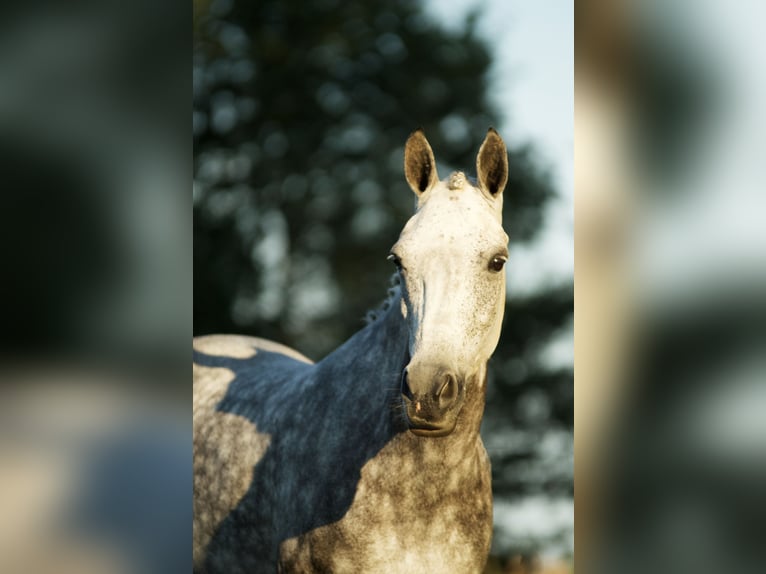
x: 492, y: 164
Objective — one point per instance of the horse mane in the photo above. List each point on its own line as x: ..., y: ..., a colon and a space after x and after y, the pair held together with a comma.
x: 393, y: 292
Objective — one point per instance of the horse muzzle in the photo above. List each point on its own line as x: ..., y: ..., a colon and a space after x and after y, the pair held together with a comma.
x: 432, y: 398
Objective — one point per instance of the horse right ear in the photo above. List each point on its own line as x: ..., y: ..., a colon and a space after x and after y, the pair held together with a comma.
x: 419, y: 163
x: 492, y: 164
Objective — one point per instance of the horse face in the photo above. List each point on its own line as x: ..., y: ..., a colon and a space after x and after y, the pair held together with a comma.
x: 450, y: 258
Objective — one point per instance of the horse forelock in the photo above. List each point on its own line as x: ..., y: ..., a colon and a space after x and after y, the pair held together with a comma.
x: 456, y: 181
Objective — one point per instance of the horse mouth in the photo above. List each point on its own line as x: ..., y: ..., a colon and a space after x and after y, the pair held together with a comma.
x: 431, y: 432
x: 428, y: 429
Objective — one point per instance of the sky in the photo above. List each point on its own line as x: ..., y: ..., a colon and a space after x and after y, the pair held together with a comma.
x: 533, y: 82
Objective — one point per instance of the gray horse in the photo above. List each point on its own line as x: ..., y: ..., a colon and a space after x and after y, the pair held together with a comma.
x: 369, y: 460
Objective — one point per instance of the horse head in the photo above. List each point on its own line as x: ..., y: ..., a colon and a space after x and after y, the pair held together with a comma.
x: 450, y: 257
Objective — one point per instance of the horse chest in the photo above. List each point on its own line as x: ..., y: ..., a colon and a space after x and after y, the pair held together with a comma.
x: 401, y: 520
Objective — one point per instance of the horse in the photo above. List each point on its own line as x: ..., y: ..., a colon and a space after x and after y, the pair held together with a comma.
x: 369, y: 460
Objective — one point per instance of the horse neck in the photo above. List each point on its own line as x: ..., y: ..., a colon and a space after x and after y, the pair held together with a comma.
x: 368, y: 369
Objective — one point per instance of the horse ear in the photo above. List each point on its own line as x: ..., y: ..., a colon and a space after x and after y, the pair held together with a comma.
x: 492, y: 164
x: 419, y: 163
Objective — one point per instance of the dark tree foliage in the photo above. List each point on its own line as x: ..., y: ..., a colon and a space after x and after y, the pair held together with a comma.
x: 301, y: 111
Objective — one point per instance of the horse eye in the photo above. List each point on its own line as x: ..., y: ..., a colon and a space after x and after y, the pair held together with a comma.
x: 496, y: 264
x: 395, y: 259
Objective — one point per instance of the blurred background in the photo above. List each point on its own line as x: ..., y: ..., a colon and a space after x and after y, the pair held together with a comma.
x: 670, y: 345
x: 301, y: 112
x: 96, y: 290
x: 95, y: 162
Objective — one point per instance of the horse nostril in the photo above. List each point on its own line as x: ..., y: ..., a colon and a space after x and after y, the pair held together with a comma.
x: 447, y: 395
x: 406, y: 390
